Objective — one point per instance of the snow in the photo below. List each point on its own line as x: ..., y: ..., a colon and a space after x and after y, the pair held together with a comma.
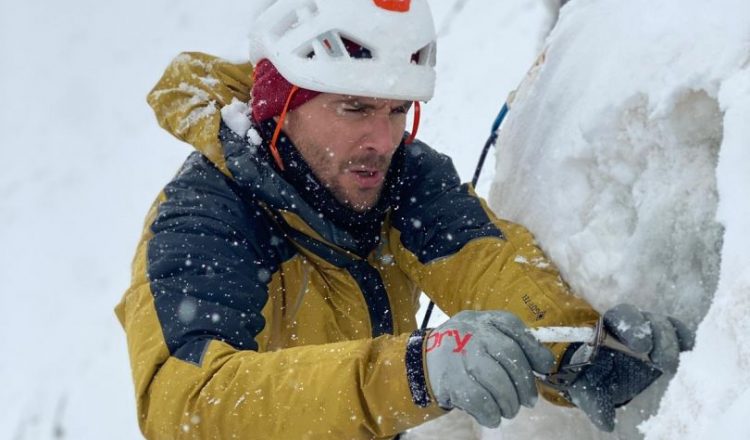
x: 710, y: 396
x: 610, y: 156
x: 237, y: 117
x: 626, y: 154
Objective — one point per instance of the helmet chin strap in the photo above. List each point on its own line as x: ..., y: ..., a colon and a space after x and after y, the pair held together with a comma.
x: 415, y: 124
x: 279, y: 125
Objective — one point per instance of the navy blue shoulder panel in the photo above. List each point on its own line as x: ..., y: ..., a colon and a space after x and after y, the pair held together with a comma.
x: 209, y: 262
x: 437, y: 215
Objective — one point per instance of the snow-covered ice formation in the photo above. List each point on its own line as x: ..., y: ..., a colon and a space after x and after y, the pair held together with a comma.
x: 610, y: 156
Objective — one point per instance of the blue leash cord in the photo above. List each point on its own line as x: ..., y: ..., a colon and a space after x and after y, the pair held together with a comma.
x: 490, y: 142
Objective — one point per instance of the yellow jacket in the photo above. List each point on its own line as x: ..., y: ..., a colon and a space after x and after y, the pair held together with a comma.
x: 250, y: 315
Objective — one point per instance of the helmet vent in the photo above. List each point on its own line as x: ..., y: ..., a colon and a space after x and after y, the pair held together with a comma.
x: 332, y: 45
x: 425, y: 56
x: 295, y: 18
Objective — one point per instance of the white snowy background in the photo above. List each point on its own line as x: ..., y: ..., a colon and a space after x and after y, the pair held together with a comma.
x: 609, y: 155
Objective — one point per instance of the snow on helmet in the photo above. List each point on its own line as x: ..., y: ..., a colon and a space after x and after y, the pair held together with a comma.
x: 307, y: 42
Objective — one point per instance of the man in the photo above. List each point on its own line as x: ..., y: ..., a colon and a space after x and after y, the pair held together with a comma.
x: 275, y: 286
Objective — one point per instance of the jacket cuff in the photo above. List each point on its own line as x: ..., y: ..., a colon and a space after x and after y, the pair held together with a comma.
x: 415, y: 372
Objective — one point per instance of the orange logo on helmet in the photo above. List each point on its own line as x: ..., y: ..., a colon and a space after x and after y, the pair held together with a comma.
x: 394, y: 5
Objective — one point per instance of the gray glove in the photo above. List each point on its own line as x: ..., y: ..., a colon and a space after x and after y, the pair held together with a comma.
x: 481, y: 362
x: 613, y: 378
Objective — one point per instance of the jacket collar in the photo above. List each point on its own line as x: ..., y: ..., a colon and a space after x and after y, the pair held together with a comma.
x: 296, y: 190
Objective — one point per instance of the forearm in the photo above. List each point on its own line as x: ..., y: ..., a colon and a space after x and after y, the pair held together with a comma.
x: 500, y: 273
x: 514, y: 274
x: 504, y: 270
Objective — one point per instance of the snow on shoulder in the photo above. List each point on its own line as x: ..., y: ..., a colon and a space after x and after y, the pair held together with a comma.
x: 609, y: 155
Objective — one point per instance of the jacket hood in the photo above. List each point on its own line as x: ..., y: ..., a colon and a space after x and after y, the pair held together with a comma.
x: 189, y: 97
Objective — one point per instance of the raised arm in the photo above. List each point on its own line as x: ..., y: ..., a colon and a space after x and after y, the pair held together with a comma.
x: 465, y: 258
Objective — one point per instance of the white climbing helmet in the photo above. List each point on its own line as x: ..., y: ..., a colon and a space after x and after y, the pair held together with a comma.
x: 306, y: 41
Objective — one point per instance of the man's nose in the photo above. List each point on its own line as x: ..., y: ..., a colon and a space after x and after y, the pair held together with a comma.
x: 380, y: 134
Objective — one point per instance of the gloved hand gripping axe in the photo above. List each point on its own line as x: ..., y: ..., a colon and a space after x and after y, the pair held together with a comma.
x: 607, y: 366
x: 593, y: 340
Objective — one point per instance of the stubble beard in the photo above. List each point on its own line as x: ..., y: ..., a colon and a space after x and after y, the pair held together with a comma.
x: 344, y: 197
x: 322, y: 166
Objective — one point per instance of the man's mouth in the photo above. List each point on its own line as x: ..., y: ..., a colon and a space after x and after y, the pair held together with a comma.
x: 367, y: 178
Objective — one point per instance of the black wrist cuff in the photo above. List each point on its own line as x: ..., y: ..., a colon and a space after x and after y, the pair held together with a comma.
x: 415, y: 373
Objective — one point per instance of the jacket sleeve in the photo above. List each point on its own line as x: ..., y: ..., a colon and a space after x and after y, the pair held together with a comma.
x: 200, y: 281
x: 464, y: 257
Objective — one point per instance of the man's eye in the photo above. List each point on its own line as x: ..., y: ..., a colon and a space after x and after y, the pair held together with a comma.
x: 354, y: 109
x: 400, y: 110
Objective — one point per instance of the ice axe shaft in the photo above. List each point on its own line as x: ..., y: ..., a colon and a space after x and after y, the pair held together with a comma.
x: 595, y: 337
x: 552, y: 335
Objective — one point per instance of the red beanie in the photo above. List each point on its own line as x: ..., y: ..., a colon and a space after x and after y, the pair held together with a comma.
x: 271, y: 90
